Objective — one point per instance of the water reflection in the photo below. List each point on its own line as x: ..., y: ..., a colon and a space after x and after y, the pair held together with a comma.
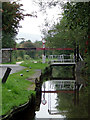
x: 60, y: 99
x: 63, y: 72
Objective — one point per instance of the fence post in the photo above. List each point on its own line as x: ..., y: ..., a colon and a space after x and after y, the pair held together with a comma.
x: 6, y: 75
x: 77, y: 53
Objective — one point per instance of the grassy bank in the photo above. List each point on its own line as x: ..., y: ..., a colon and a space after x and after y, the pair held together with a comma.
x: 34, y: 64
x: 15, y: 91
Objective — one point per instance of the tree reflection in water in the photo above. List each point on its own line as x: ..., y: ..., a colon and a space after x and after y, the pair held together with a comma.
x: 65, y: 102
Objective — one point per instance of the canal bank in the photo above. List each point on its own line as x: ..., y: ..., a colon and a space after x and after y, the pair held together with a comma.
x: 16, y: 113
x: 21, y: 89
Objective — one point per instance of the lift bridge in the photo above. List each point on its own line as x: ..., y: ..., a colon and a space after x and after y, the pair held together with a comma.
x: 60, y: 85
x: 62, y: 60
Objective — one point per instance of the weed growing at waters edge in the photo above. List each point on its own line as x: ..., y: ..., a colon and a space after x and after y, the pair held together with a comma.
x: 14, y: 91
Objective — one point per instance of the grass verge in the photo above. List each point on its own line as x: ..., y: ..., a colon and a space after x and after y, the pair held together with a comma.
x: 33, y: 65
x: 15, y: 91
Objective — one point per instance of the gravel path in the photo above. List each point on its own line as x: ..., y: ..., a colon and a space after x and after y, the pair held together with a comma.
x: 32, y: 79
x: 35, y: 75
x: 15, y: 68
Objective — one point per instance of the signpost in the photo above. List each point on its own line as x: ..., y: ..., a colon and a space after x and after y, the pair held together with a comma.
x: 43, y: 55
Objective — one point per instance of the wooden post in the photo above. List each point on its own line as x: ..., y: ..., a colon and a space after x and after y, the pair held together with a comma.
x: 75, y: 94
x: 77, y: 53
x: 6, y: 75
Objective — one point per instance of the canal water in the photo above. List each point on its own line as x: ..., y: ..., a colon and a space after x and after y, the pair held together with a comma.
x: 60, y: 104
x: 49, y: 102
x: 62, y: 97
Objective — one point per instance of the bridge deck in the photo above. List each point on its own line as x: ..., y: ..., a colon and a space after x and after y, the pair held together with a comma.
x: 63, y: 63
x: 59, y: 91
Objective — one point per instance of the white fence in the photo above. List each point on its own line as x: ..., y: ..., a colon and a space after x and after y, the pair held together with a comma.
x: 61, y: 58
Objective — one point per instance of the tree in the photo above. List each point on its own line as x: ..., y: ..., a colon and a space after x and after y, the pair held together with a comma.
x: 78, y: 15
x: 28, y: 44
x: 38, y: 44
x: 60, y: 36
x: 12, y: 14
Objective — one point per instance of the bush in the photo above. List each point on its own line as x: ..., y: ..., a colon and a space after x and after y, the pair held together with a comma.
x: 26, y: 57
x: 19, y: 59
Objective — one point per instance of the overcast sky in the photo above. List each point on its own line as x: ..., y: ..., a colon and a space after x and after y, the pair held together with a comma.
x: 31, y: 26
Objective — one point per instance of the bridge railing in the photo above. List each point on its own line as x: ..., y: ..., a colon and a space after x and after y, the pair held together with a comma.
x: 62, y: 85
x: 61, y: 58
x: 81, y: 59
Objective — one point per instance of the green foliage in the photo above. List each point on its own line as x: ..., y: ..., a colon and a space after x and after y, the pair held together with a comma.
x: 0, y: 97
x: 38, y: 54
x: 19, y: 59
x: 72, y: 30
x: 11, y: 15
x: 60, y: 37
x: 16, y: 89
x: 26, y: 57
x: 31, y: 54
x: 77, y: 14
x: 29, y: 44
x: 78, y: 17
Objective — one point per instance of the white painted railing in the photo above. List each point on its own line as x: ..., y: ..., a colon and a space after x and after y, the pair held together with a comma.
x: 61, y: 58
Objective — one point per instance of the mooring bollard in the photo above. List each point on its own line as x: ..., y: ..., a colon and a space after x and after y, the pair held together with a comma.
x: 4, y: 79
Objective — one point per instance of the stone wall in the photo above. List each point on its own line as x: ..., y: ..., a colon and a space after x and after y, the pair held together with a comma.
x: 5, y: 56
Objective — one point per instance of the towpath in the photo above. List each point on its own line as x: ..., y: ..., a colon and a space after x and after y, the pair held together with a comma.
x: 33, y: 77
x: 15, y: 68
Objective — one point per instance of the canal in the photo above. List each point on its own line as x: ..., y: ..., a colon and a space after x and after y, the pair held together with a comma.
x: 63, y: 96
